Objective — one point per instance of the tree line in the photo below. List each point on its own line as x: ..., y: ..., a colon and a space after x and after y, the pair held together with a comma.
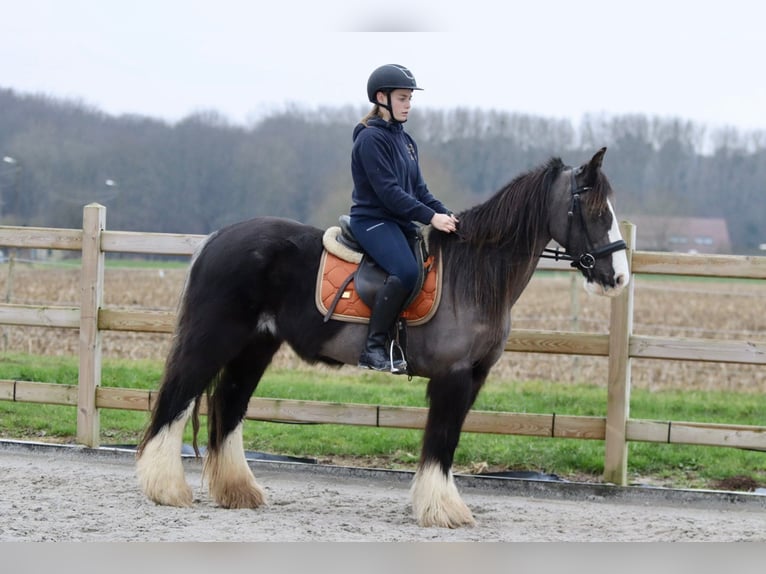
x: 203, y: 172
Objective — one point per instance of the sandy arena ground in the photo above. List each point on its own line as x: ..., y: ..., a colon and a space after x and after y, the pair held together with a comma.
x: 71, y: 494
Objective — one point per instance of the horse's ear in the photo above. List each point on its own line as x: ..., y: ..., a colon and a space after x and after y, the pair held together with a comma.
x: 595, y: 162
x: 591, y: 169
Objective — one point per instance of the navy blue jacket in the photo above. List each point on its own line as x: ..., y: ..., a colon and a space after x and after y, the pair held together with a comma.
x: 386, y: 174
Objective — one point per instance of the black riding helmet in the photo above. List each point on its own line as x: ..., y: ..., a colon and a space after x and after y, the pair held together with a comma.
x: 387, y: 78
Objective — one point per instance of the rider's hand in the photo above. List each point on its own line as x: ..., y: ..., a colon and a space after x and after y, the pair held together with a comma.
x: 444, y: 222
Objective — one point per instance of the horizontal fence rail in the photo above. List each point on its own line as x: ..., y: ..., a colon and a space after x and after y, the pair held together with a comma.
x: 620, y: 345
x: 383, y: 416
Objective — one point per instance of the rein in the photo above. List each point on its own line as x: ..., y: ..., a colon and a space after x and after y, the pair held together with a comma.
x: 586, y: 261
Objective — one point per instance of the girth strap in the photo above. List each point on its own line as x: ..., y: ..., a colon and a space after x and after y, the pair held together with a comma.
x: 338, y: 296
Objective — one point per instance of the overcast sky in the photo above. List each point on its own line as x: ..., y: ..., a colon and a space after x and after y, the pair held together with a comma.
x: 696, y: 60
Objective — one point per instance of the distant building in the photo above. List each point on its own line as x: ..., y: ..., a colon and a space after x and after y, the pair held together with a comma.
x: 681, y: 234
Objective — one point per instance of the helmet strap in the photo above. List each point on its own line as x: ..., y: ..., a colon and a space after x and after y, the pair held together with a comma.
x: 390, y: 108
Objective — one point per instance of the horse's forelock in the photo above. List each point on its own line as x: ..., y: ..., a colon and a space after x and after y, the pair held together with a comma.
x: 596, y: 201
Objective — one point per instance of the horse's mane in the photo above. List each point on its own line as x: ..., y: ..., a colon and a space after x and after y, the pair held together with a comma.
x: 498, y: 241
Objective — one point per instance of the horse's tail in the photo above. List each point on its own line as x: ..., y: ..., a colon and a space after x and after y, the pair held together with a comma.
x: 177, y: 389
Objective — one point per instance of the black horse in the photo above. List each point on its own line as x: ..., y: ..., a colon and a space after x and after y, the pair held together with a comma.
x: 250, y: 288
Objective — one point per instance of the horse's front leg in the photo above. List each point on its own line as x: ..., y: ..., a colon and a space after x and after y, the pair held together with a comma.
x: 435, y: 498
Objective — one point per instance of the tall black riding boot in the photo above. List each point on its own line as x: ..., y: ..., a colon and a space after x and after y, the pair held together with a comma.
x: 388, y: 304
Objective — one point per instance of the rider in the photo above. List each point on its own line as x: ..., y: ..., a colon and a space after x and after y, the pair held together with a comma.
x: 389, y: 196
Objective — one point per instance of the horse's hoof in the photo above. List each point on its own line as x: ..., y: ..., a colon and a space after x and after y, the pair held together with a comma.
x: 450, y: 513
x: 180, y: 496
x: 180, y: 499
x: 240, y: 495
x: 232, y: 484
x: 441, y: 519
x: 436, y: 501
x: 163, y: 484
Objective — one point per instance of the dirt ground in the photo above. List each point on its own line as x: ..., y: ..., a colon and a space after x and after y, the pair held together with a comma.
x: 71, y: 494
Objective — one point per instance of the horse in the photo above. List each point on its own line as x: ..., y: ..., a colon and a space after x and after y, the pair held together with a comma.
x: 250, y: 288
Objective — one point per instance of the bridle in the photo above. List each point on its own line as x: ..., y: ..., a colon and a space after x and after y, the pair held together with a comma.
x: 586, y: 260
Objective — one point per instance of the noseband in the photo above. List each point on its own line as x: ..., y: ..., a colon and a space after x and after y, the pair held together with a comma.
x: 586, y: 261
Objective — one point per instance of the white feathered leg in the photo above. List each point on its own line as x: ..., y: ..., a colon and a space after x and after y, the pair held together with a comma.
x: 436, y: 501
x: 231, y: 482
x: 160, y: 469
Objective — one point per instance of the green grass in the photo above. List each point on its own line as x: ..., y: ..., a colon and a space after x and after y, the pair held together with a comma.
x: 676, y: 465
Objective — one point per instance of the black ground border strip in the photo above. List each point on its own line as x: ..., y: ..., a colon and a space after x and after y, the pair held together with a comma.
x: 521, y: 487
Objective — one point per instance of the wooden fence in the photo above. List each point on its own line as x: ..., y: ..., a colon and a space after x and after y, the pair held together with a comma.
x: 620, y: 345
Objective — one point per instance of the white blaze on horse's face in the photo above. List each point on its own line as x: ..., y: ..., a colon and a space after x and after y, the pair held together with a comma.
x: 619, y: 264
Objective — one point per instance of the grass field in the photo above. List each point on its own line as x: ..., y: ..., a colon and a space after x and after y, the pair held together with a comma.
x: 520, y: 382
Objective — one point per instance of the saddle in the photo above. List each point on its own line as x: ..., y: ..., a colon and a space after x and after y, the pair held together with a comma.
x: 348, y: 280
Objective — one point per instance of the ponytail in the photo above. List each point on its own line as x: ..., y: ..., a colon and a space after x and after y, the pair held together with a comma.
x: 374, y: 112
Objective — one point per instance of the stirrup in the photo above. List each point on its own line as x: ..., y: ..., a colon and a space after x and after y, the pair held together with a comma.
x: 401, y: 369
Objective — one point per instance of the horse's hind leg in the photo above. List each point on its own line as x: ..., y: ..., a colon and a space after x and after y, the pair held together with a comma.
x: 231, y: 482
x: 193, y: 363
x: 435, y: 498
x: 159, y: 466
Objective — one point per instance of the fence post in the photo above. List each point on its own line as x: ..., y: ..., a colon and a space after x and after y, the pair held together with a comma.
x: 618, y: 382
x: 9, y: 293
x: 91, y: 298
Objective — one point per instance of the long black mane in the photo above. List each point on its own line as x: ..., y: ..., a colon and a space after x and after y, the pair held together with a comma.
x: 497, y: 240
